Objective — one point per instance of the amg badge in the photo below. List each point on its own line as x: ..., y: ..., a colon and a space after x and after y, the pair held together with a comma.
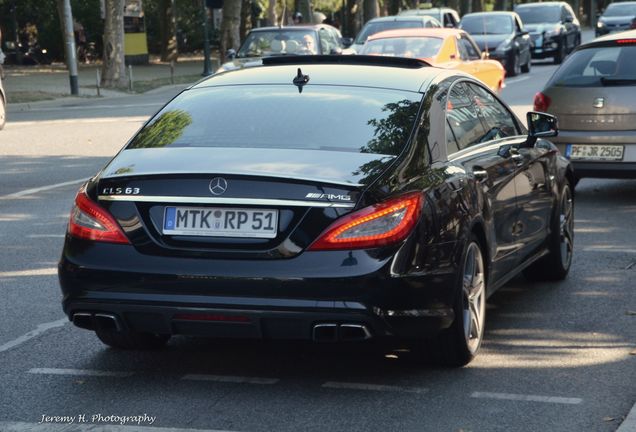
x: 329, y: 197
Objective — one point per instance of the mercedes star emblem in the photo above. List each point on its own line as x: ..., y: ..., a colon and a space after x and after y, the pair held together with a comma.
x: 218, y: 186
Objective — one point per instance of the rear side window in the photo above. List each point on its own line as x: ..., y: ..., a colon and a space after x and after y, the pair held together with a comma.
x: 498, y: 120
x: 464, y: 124
x: 597, y: 67
x: 366, y: 120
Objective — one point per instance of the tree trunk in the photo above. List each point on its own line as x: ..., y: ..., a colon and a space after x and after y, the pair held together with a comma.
x: 272, y: 17
x: 478, y: 5
x: 230, y: 27
x: 114, y: 67
x: 168, y: 30
x: 370, y: 9
x: 246, y: 19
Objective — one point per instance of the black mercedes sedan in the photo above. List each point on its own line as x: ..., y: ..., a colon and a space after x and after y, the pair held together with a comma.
x: 324, y: 198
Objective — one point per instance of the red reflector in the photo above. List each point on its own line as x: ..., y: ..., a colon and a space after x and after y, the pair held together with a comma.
x: 211, y: 317
x: 626, y: 41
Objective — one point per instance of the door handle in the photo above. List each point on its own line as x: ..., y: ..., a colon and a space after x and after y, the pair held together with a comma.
x: 480, y: 174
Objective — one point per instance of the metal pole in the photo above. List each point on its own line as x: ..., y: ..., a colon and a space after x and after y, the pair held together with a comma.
x: 207, y: 65
x: 69, y: 46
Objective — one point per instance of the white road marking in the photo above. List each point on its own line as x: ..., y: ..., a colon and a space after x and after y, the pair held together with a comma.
x: 608, y: 249
x: 629, y: 424
x: 528, y: 398
x: 79, y: 372
x: 41, y: 328
x: 373, y: 387
x: 40, y: 189
x: 50, y: 271
x: 516, y: 80
x: 90, y: 427
x: 46, y: 236
x: 230, y: 379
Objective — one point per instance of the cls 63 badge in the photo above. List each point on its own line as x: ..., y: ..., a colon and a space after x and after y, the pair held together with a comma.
x: 121, y: 191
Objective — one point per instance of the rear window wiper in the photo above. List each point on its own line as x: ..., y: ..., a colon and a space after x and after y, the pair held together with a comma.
x: 608, y: 81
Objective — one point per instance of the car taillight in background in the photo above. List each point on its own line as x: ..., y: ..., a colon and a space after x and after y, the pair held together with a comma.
x: 541, y: 102
x: 91, y: 222
x: 378, y: 225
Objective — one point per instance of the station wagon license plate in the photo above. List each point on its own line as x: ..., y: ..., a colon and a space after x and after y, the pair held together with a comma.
x: 220, y: 222
x: 594, y: 152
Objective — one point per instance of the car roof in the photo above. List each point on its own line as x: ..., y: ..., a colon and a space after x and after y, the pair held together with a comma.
x: 552, y: 4
x: 435, y: 9
x: 418, y: 32
x: 292, y: 28
x: 474, y: 14
x: 630, y: 34
x: 402, y: 18
x: 353, y: 71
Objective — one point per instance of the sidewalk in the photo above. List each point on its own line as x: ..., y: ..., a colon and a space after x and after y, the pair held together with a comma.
x: 39, y: 83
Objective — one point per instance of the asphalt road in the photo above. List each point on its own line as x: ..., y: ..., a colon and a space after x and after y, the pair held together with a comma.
x: 556, y: 356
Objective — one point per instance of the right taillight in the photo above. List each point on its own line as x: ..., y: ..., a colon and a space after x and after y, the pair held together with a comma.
x: 378, y: 225
x: 541, y: 102
x: 90, y: 221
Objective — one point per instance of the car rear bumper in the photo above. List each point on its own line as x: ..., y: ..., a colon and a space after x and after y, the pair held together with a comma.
x: 283, y: 299
x: 625, y: 168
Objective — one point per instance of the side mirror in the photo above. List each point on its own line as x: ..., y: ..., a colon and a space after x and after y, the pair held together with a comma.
x: 568, y: 19
x: 230, y: 54
x: 541, y: 125
x: 347, y: 42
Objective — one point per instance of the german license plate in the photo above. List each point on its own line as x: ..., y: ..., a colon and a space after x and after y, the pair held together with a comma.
x: 220, y: 222
x: 594, y: 152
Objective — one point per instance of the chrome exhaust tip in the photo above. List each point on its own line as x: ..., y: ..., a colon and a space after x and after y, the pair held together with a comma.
x: 354, y: 332
x: 326, y: 332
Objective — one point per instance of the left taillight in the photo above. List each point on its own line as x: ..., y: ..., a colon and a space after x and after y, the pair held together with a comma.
x: 378, y: 225
x: 91, y: 222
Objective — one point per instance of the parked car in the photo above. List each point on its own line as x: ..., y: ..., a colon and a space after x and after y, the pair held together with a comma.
x: 263, y: 42
x: 502, y: 36
x: 553, y: 27
x: 617, y: 17
x: 447, y: 16
x: 377, y: 25
x: 593, y: 95
x: 446, y: 48
x: 3, y: 106
x: 361, y: 198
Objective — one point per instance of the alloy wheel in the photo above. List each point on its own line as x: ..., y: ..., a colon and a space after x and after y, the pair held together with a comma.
x: 474, y: 297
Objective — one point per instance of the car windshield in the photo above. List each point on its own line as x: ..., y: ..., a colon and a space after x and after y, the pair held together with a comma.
x: 539, y: 15
x: 487, y: 24
x: 376, y: 27
x: 414, y: 47
x: 321, y: 117
x: 620, y: 10
x: 279, y: 42
x: 597, y: 67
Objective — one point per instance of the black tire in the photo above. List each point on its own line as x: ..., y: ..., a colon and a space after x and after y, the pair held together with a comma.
x: 131, y: 340
x: 514, y: 69
x: 458, y: 345
x: 561, y: 53
x: 528, y: 66
x: 556, y: 265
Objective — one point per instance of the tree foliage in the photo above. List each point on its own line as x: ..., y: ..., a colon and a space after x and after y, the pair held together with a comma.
x: 164, y: 131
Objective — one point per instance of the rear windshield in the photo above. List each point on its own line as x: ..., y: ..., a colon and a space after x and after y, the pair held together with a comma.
x: 596, y: 67
x: 412, y: 47
x: 620, y: 10
x: 483, y: 24
x: 377, y: 27
x: 367, y: 120
x: 539, y: 15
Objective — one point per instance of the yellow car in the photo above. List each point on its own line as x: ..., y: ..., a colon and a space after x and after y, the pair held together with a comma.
x: 441, y: 47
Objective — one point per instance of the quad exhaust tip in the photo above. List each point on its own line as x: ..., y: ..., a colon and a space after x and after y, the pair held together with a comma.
x: 348, y: 332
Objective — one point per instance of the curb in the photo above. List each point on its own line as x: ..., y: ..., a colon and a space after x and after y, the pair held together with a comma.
x: 629, y: 424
